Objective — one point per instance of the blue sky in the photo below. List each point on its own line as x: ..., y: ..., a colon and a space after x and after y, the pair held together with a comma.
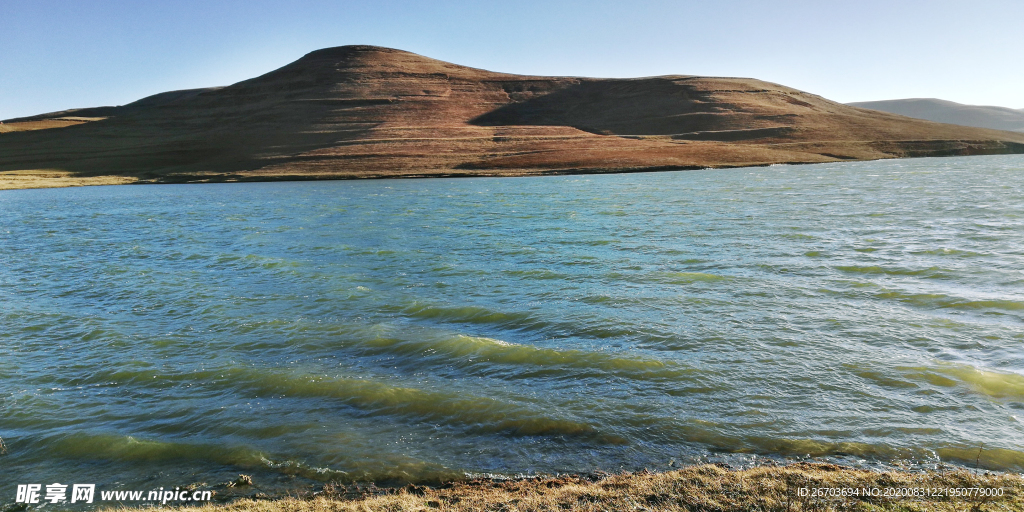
x: 57, y: 55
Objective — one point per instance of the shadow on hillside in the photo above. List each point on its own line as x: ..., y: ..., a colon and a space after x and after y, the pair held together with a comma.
x: 649, y: 106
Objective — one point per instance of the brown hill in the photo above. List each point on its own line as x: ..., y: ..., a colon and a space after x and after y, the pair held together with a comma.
x: 363, y: 111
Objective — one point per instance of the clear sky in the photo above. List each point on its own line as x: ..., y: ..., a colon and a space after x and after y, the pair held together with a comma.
x: 65, y: 54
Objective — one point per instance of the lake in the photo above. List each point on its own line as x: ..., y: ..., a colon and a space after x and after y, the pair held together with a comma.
x: 866, y: 313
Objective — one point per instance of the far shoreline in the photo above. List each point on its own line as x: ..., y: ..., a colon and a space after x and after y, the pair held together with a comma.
x: 53, y: 178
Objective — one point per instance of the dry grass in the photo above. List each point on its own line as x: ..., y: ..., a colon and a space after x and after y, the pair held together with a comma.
x: 51, y: 178
x: 45, y: 124
x: 697, y: 488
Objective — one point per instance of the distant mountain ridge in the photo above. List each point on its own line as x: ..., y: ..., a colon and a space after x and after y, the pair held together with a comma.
x: 366, y: 111
x: 942, y: 111
x: 155, y: 100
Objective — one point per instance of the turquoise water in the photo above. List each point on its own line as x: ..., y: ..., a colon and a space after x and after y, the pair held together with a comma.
x: 415, y: 330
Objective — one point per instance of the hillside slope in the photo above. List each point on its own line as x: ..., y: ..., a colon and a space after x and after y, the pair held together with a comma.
x: 363, y: 111
x: 942, y: 111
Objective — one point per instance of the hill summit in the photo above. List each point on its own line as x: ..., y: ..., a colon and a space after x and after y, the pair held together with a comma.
x: 366, y: 111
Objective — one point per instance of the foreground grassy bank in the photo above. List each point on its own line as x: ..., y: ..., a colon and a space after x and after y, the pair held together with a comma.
x: 798, y: 487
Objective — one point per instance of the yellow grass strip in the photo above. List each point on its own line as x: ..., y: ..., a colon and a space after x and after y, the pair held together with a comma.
x: 53, y: 178
x: 45, y: 124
